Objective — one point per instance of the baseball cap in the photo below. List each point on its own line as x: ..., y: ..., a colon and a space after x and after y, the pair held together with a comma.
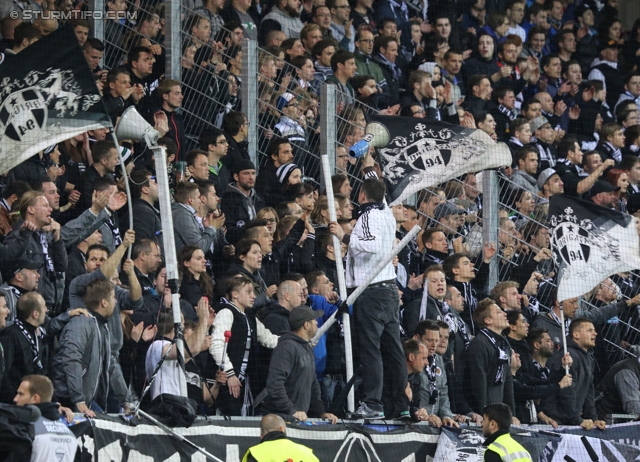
x: 537, y: 123
x: 15, y: 266
x: 302, y: 314
x: 544, y: 176
x: 283, y: 100
x: 602, y: 186
x: 445, y: 209
x: 608, y: 44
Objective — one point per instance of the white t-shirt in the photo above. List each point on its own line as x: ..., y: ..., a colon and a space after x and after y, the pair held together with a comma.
x: 168, y: 379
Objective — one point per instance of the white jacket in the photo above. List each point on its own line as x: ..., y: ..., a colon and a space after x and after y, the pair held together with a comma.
x: 373, y: 237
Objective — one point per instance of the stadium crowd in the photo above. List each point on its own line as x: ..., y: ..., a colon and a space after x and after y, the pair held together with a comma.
x: 557, y: 81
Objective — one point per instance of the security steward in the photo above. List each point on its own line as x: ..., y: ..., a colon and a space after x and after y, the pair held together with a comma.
x: 495, y: 428
x: 274, y: 445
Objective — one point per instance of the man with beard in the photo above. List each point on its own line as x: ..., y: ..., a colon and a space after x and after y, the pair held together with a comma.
x: 568, y: 167
x: 514, y: 76
x: 544, y: 137
x: 525, y: 175
x: 603, y: 193
x: 575, y: 405
x: 44, y: 245
x: 284, y: 16
x: 292, y: 384
x: 495, y: 428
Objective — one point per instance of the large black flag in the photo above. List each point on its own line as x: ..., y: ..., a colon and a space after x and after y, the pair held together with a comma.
x: 422, y: 153
x: 47, y: 95
x: 590, y: 243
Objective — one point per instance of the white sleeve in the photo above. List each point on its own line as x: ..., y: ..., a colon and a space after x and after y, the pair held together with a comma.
x: 596, y: 74
x: 265, y: 337
x: 222, y: 323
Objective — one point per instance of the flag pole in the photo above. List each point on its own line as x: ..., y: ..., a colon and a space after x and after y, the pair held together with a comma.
x: 342, y: 284
x: 379, y: 266
x: 564, y: 337
x: 126, y: 186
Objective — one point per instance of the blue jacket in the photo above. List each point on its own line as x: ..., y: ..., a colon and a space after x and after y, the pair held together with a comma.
x: 318, y: 302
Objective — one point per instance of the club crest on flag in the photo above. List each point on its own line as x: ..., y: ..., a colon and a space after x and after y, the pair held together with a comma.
x: 23, y: 115
x: 423, y: 153
x: 427, y: 151
x: 575, y: 242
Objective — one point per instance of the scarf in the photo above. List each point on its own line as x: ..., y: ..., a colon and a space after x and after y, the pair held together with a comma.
x: 615, y: 152
x: 506, y: 111
x: 431, y: 371
x: 117, y: 239
x: 544, y: 371
x: 395, y: 70
x: 33, y: 343
x: 45, y: 251
x: 503, y: 356
x: 456, y: 325
x: 567, y: 322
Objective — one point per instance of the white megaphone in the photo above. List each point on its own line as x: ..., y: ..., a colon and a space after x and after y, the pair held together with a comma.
x: 377, y: 136
x: 132, y: 126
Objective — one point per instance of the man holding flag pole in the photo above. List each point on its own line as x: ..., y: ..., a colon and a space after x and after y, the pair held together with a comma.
x: 587, y: 242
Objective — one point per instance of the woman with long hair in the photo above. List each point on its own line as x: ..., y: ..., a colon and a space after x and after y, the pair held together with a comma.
x: 196, y: 283
x: 248, y: 263
x: 620, y: 179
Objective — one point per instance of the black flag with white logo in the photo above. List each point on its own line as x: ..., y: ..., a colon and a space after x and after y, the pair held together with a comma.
x: 48, y: 94
x: 421, y: 153
x: 589, y: 244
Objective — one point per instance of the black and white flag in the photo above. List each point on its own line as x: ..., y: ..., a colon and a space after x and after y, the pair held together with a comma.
x: 589, y: 244
x: 423, y: 153
x: 48, y: 94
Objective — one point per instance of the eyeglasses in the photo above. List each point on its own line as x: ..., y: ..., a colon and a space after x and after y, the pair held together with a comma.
x: 271, y: 221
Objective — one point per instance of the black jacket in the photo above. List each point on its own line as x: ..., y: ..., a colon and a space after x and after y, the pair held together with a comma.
x: 239, y: 210
x: 146, y: 221
x: 276, y: 319
x: 575, y: 403
x: 268, y: 186
x: 31, y: 170
x: 478, y: 371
